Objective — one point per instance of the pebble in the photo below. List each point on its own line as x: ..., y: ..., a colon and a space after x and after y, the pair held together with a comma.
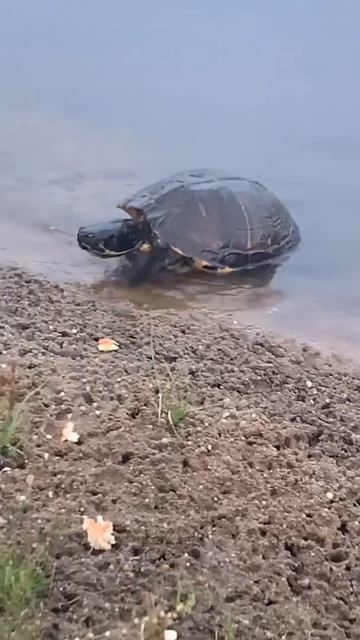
x: 309, y: 384
x: 330, y: 495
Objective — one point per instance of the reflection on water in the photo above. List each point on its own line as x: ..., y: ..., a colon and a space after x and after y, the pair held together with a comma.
x: 99, y: 100
x: 193, y: 290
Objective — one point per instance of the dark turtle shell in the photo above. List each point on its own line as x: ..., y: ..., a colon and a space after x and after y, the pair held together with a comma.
x: 216, y: 218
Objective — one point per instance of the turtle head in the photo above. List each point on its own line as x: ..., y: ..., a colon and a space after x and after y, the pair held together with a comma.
x: 113, y: 239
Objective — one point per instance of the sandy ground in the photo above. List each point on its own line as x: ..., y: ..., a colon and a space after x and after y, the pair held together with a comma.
x: 248, y: 510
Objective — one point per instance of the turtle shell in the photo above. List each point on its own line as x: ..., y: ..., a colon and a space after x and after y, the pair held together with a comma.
x: 216, y: 218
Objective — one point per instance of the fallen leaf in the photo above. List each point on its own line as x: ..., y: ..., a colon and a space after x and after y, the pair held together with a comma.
x: 107, y: 344
x: 99, y: 533
x: 30, y: 479
x: 68, y: 433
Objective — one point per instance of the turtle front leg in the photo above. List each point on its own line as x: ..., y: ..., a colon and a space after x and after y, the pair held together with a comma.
x: 144, y: 265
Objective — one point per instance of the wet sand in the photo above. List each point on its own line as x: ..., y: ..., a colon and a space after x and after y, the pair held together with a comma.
x: 250, y: 505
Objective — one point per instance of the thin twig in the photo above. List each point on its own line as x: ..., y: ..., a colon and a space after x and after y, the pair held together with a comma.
x: 171, y: 423
x: 142, y: 629
x: 152, y: 351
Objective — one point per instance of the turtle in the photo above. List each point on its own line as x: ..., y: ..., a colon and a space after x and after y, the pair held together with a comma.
x: 205, y: 219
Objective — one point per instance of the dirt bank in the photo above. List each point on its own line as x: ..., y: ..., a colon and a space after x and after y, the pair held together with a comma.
x: 228, y: 463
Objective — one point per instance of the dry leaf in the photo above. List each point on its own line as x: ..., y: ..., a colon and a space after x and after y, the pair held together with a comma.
x: 30, y: 479
x: 99, y: 533
x: 68, y: 433
x: 107, y: 344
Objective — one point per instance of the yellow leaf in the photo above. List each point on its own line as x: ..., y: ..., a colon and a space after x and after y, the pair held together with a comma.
x: 99, y: 533
x: 107, y: 344
x: 30, y: 479
x: 68, y: 433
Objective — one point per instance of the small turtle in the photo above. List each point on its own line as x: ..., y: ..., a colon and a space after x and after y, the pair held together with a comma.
x: 210, y: 220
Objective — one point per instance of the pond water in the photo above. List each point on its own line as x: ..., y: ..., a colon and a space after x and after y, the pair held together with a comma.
x: 99, y: 99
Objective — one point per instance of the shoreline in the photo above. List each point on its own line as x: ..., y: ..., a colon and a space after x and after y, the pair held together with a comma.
x: 227, y: 461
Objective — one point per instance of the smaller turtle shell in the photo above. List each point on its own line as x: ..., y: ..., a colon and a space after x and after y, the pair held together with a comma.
x: 216, y: 218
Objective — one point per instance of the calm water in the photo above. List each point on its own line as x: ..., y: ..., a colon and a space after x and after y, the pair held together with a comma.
x: 98, y: 99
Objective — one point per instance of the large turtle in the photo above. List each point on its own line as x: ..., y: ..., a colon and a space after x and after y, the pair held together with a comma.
x: 211, y: 220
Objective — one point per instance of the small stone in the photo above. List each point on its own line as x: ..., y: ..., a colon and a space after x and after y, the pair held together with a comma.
x: 330, y: 495
x: 4, y: 463
x: 338, y: 555
x: 309, y: 384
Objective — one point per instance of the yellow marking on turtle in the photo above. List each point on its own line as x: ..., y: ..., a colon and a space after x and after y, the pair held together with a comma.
x: 201, y: 264
x: 146, y: 247
x: 225, y: 270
